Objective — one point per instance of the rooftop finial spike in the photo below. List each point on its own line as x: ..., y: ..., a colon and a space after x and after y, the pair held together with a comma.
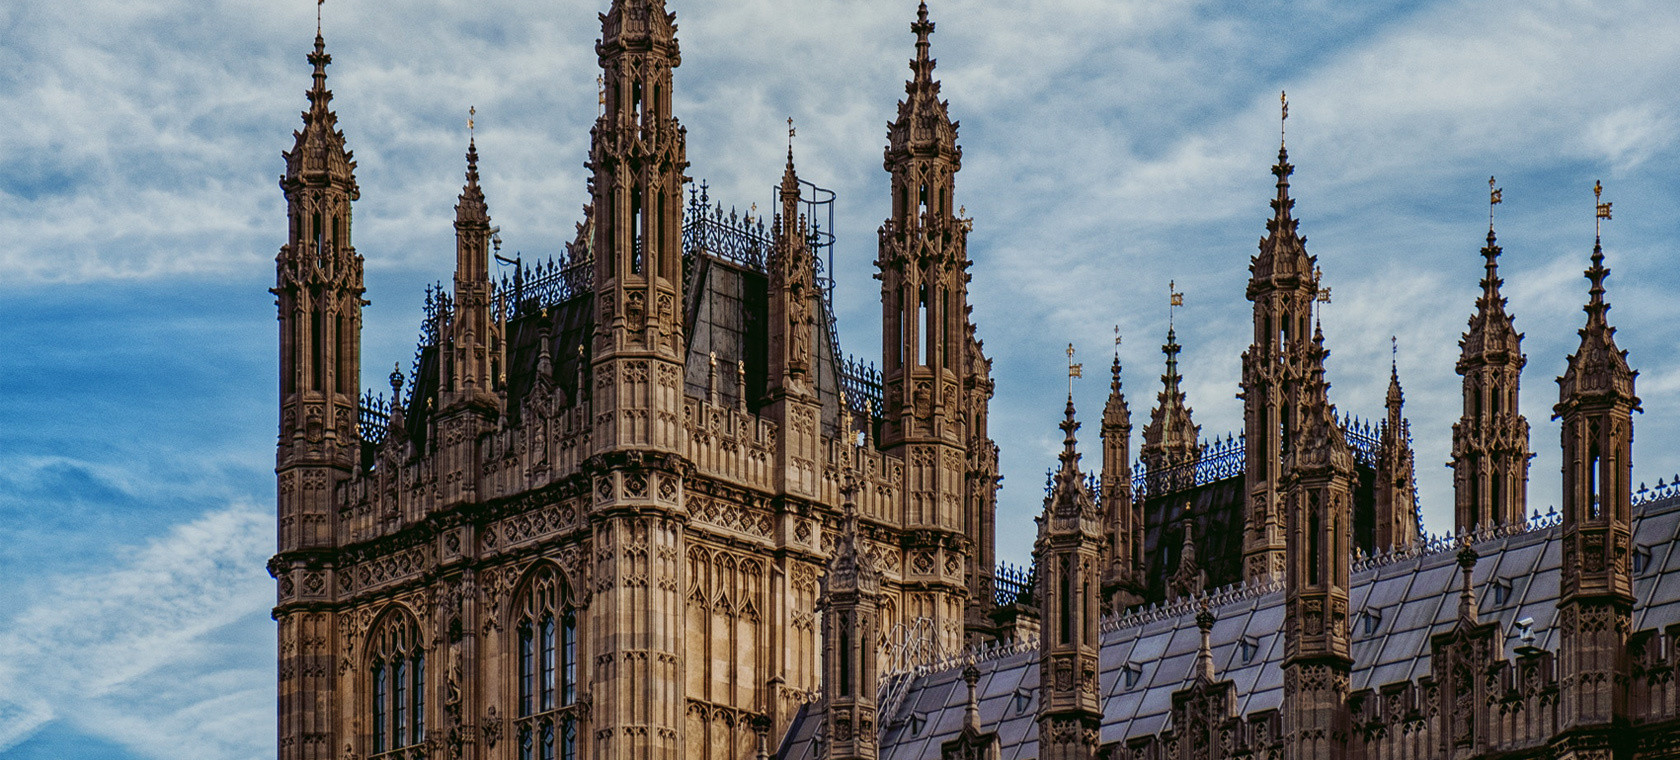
x: 318, y: 4
x: 1496, y: 196
x: 1175, y: 299
x: 1596, y: 273
x: 1074, y: 370
x: 922, y: 28
x: 1283, y: 120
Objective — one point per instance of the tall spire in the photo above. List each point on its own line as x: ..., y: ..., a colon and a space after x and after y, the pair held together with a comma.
x: 1068, y: 553
x: 1170, y: 438
x: 1490, y: 441
x: 1596, y: 403
x: 1123, y: 524
x: 1396, y: 489
x: 1282, y: 287
x: 1318, y: 487
x: 471, y: 371
x: 318, y: 293
x: 924, y: 125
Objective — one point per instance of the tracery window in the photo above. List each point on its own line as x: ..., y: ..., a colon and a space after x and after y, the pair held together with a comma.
x: 397, y: 709
x: 546, y: 649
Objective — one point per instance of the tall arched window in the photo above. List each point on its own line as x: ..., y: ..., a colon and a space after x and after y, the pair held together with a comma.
x: 398, y: 667
x: 546, y: 659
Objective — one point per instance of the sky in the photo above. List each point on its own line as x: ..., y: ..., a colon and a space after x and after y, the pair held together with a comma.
x: 1110, y: 147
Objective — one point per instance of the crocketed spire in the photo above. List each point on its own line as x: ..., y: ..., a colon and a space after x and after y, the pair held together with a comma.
x: 1322, y: 443
x: 1283, y: 252
x: 318, y: 156
x: 1170, y: 437
x: 1069, y: 496
x: 1491, y: 338
x: 924, y: 125
x: 472, y: 207
x: 850, y: 569
x: 638, y: 23
x: 1598, y: 366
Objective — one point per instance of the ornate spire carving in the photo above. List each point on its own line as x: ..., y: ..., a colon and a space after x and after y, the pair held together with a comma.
x: 1189, y: 579
x: 1069, y: 554
x: 851, y: 593
x: 1122, y: 522
x: 1282, y: 285
x: 1595, y: 405
x: 318, y: 155
x: 1170, y: 438
x: 1490, y: 440
x: 473, y: 365
x: 1318, y: 653
x: 1397, y: 523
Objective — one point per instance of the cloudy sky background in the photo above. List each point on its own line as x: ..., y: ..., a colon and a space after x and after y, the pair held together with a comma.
x: 1109, y: 147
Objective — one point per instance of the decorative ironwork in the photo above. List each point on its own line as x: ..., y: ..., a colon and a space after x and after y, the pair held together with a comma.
x: 544, y: 284
x: 439, y: 310
x: 861, y: 382
x: 1220, y: 459
x: 732, y: 237
x: 1226, y: 458
x: 1646, y: 495
x: 1011, y: 583
x: 373, y: 418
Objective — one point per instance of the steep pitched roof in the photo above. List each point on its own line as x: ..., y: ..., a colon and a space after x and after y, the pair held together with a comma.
x: 1147, y: 656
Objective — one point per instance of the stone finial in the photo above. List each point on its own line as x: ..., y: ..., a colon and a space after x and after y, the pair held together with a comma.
x: 971, y: 712
x: 1467, y: 557
x: 1204, y: 652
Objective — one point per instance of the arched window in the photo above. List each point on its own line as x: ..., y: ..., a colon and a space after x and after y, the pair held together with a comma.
x: 546, y: 649
x: 398, y: 668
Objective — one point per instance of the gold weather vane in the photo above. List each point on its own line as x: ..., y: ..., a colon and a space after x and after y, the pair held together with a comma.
x: 1174, y: 299
x: 1496, y: 196
x: 791, y: 134
x: 1603, y: 207
x: 1283, y: 123
x: 472, y: 111
x: 1322, y: 291
x: 1074, y: 370
x: 1116, y: 342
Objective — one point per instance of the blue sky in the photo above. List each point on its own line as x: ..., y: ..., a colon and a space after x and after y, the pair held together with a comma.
x: 1109, y: 147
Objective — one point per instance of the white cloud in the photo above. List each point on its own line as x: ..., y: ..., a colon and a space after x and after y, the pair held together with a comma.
x: 141, y: 653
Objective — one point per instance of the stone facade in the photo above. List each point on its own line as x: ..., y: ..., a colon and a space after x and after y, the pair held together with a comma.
x: 549, y: 544
x: 635, y: 504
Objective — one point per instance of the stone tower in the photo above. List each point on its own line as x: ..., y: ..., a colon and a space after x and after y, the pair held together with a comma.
x: 1319, y: 497
x: 1490, y: 441
x: 1169, y: 440
x: 790, y: 380
x: 1122, y: 523
x: 851, y: 626
x: 638, y: 517
x: 1069, y: 558
x: 1595, y: 405
x: 1282, y: 287
x: 318, y: 289
x: 923, y: 267
x: 1396, y: 487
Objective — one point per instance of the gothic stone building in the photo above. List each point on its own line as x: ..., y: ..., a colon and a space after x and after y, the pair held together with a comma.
x: 636, y: 503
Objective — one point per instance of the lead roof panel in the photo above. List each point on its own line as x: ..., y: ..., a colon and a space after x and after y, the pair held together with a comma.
x: 1416, y: 598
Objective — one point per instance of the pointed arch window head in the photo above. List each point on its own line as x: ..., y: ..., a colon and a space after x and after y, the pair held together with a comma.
x: 546, y: 658
x: 398, y: 704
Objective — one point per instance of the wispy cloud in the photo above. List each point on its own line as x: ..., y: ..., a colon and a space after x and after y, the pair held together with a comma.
x: 141, y: 654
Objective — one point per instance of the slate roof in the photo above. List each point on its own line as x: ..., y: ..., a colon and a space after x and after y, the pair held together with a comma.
x: 1398, y: 606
